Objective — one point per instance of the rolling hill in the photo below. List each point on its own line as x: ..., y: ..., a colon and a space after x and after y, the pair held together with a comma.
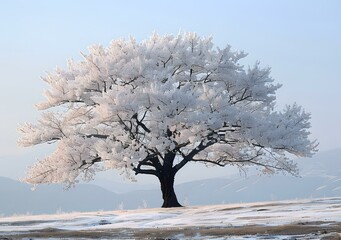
x: 320, y: 177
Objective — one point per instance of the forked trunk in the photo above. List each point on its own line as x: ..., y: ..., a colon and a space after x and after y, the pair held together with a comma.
x: 167, y: 188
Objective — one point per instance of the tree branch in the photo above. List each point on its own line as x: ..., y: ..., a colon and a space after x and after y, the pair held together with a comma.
x: 190, y: 156
x: 140, y: 123
x: 145, y: 171
x: 150, y: 161
x: 92, y: 162
x: 126, y: 128
x: 209, y: 161
x: 102, y: 136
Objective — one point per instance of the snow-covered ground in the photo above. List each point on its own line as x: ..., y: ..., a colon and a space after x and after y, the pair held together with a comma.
x: 302, y: 219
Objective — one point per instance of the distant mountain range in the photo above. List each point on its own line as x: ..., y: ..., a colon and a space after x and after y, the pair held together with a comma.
x: 320, y: 177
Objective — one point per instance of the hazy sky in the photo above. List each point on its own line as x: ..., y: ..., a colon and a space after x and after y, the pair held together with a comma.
x: 300, y: 40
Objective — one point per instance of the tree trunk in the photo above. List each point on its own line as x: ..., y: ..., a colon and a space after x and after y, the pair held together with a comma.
x: 168, y: 193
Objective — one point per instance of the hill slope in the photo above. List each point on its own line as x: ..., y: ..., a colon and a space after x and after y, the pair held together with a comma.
x: 18, y: 198
x: 321, y: 177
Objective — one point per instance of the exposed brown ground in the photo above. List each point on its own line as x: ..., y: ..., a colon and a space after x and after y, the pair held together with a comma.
x: 314, y: 229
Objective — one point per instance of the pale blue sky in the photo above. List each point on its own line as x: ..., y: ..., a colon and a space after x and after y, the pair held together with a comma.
x: 300, y: 40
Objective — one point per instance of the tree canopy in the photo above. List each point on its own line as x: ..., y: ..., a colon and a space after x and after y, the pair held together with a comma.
x: 151, y: 107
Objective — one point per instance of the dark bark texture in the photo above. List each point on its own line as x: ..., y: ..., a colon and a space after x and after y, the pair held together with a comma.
x: 167, y: 189
x: 166, y: 177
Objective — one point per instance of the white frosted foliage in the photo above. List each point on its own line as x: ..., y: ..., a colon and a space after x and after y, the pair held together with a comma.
x: 129, y: 105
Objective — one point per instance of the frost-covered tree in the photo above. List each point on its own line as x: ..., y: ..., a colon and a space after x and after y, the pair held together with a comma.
x: 154, y: 106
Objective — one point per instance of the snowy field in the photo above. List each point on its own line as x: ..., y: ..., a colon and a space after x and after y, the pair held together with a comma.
x: 300, y: 219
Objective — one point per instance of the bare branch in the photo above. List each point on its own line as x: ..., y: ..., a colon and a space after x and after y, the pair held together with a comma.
x: 209, y: 161
x: 145, y: 171
x: 150, y: 161
x: 102, y: 136
x: 92, y: 162
x: 190, y: 156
